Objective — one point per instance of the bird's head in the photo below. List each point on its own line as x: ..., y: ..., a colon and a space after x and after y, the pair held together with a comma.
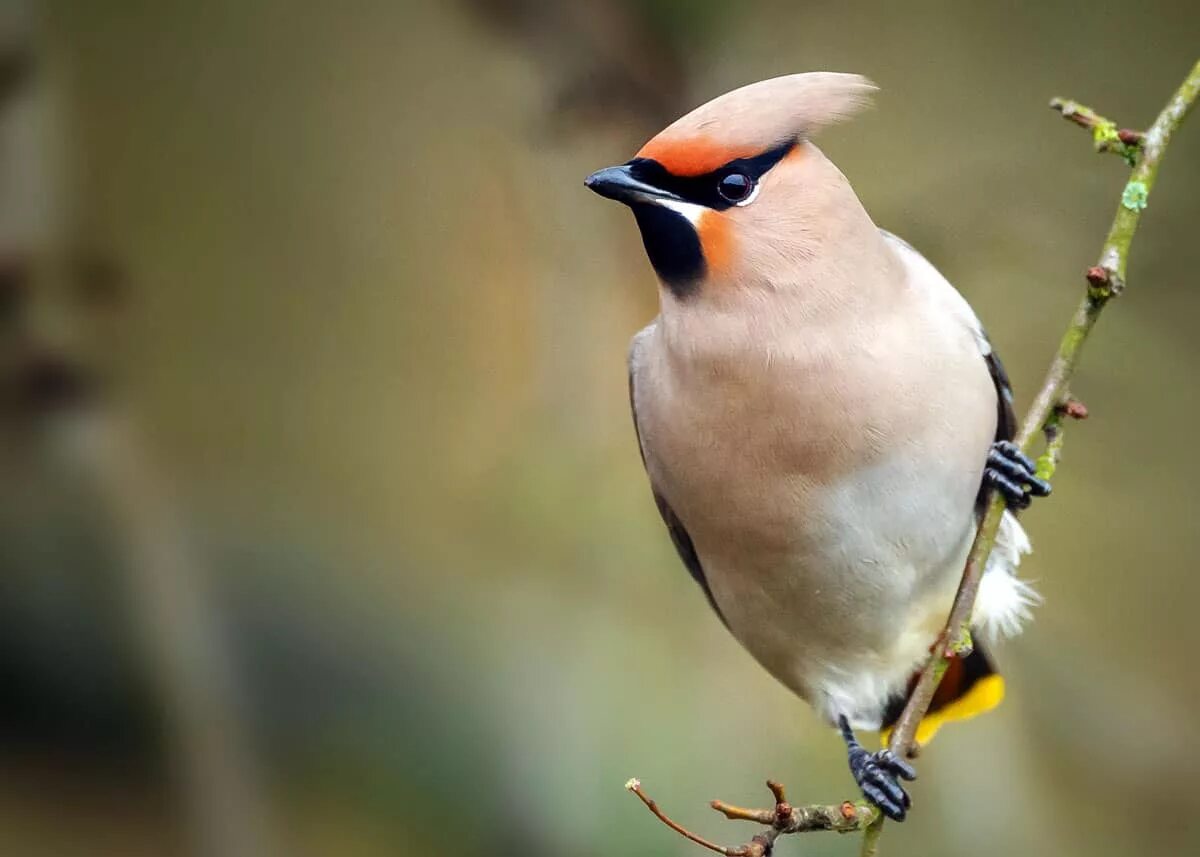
x: 734, y: 193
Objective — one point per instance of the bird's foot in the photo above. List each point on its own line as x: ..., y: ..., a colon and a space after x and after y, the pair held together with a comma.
x: 878, y: 775
x: 1014, y: 475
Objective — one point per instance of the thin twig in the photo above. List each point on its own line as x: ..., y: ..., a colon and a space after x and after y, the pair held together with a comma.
x: 1106, y: 136
x: 759, y: 846
x: 1105, y: 281
x: 1047, y: 462
x: 1114, y: 259
x: 870, y: 840
x: 783, y: 819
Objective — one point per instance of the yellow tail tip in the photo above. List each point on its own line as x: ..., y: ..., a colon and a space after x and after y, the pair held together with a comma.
x: 980, y: 698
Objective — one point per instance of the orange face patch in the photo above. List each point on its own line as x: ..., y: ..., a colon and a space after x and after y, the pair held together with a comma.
x: 693, y: 157
x: 716, y: 241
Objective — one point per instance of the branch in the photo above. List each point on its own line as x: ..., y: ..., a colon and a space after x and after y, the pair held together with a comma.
x: 1106, y: 280
x: 783, y: 818
x: 1106, y: 136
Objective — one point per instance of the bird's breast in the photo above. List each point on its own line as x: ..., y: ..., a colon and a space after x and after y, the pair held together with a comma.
x: 829, y: 497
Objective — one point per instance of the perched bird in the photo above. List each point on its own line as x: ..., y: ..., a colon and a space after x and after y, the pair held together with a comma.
x: 820, y: 414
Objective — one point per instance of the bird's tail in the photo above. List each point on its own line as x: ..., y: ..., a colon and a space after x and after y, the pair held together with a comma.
x: 970, y: 686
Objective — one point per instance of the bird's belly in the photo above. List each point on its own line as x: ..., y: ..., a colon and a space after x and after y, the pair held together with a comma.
x: 838, y: 589
x: 831, y: 520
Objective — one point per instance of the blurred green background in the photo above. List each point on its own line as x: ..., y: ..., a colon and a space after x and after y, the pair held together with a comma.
x: 394, y: 583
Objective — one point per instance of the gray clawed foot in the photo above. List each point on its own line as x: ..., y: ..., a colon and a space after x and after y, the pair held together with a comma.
x: 878, y: 775
x: 1014, y: 475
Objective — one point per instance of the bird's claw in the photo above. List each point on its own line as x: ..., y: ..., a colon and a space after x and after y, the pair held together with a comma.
x: 1014, y: 475
x: 878, y: 775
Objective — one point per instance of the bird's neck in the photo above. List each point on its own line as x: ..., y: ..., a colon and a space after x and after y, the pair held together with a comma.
x: 846, y: 284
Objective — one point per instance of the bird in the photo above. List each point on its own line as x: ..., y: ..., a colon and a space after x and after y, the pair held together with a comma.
x: 822, y: 417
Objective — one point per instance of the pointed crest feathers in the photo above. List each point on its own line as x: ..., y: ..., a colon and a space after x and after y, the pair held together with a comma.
x: 754, y: 118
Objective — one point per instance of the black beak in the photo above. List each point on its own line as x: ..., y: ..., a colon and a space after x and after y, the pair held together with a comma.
x: 619, y: 183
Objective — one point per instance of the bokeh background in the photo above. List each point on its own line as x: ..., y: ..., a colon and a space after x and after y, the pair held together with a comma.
x: 322, y: 526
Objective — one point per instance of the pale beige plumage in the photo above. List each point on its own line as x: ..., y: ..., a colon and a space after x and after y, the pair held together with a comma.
x: 824, y: 471
x: 815, y: 404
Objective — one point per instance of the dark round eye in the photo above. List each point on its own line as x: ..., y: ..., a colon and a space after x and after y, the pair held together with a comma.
x: 735, y: 187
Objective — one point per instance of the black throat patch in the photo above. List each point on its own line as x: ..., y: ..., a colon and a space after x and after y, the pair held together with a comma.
x: 673, y: 248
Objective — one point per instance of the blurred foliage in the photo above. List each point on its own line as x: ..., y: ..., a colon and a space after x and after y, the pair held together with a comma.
x: 376, y: 329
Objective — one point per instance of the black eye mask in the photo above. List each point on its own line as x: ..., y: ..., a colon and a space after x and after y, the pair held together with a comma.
x: 704, y: 189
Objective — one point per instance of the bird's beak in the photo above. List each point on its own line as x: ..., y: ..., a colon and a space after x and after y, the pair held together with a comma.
x: 618, y: 183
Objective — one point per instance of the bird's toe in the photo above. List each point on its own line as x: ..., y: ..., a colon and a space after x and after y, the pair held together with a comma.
x: 1014, y: 474
x: 889, y: 761
x: 878, y: 777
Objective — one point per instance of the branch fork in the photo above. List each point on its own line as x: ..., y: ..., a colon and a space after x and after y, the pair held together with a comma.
x: 1106, y: 136
x: 782, y: 818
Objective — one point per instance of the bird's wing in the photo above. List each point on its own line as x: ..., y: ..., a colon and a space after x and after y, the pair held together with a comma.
x: 679, y: 535
x: 956, y: 304
x: 1006, y: 423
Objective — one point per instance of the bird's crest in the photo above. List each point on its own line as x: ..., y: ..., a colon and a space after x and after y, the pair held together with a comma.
x: 750, y: 120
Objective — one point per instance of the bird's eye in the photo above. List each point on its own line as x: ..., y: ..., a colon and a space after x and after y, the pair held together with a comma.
x: 735, y: 187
